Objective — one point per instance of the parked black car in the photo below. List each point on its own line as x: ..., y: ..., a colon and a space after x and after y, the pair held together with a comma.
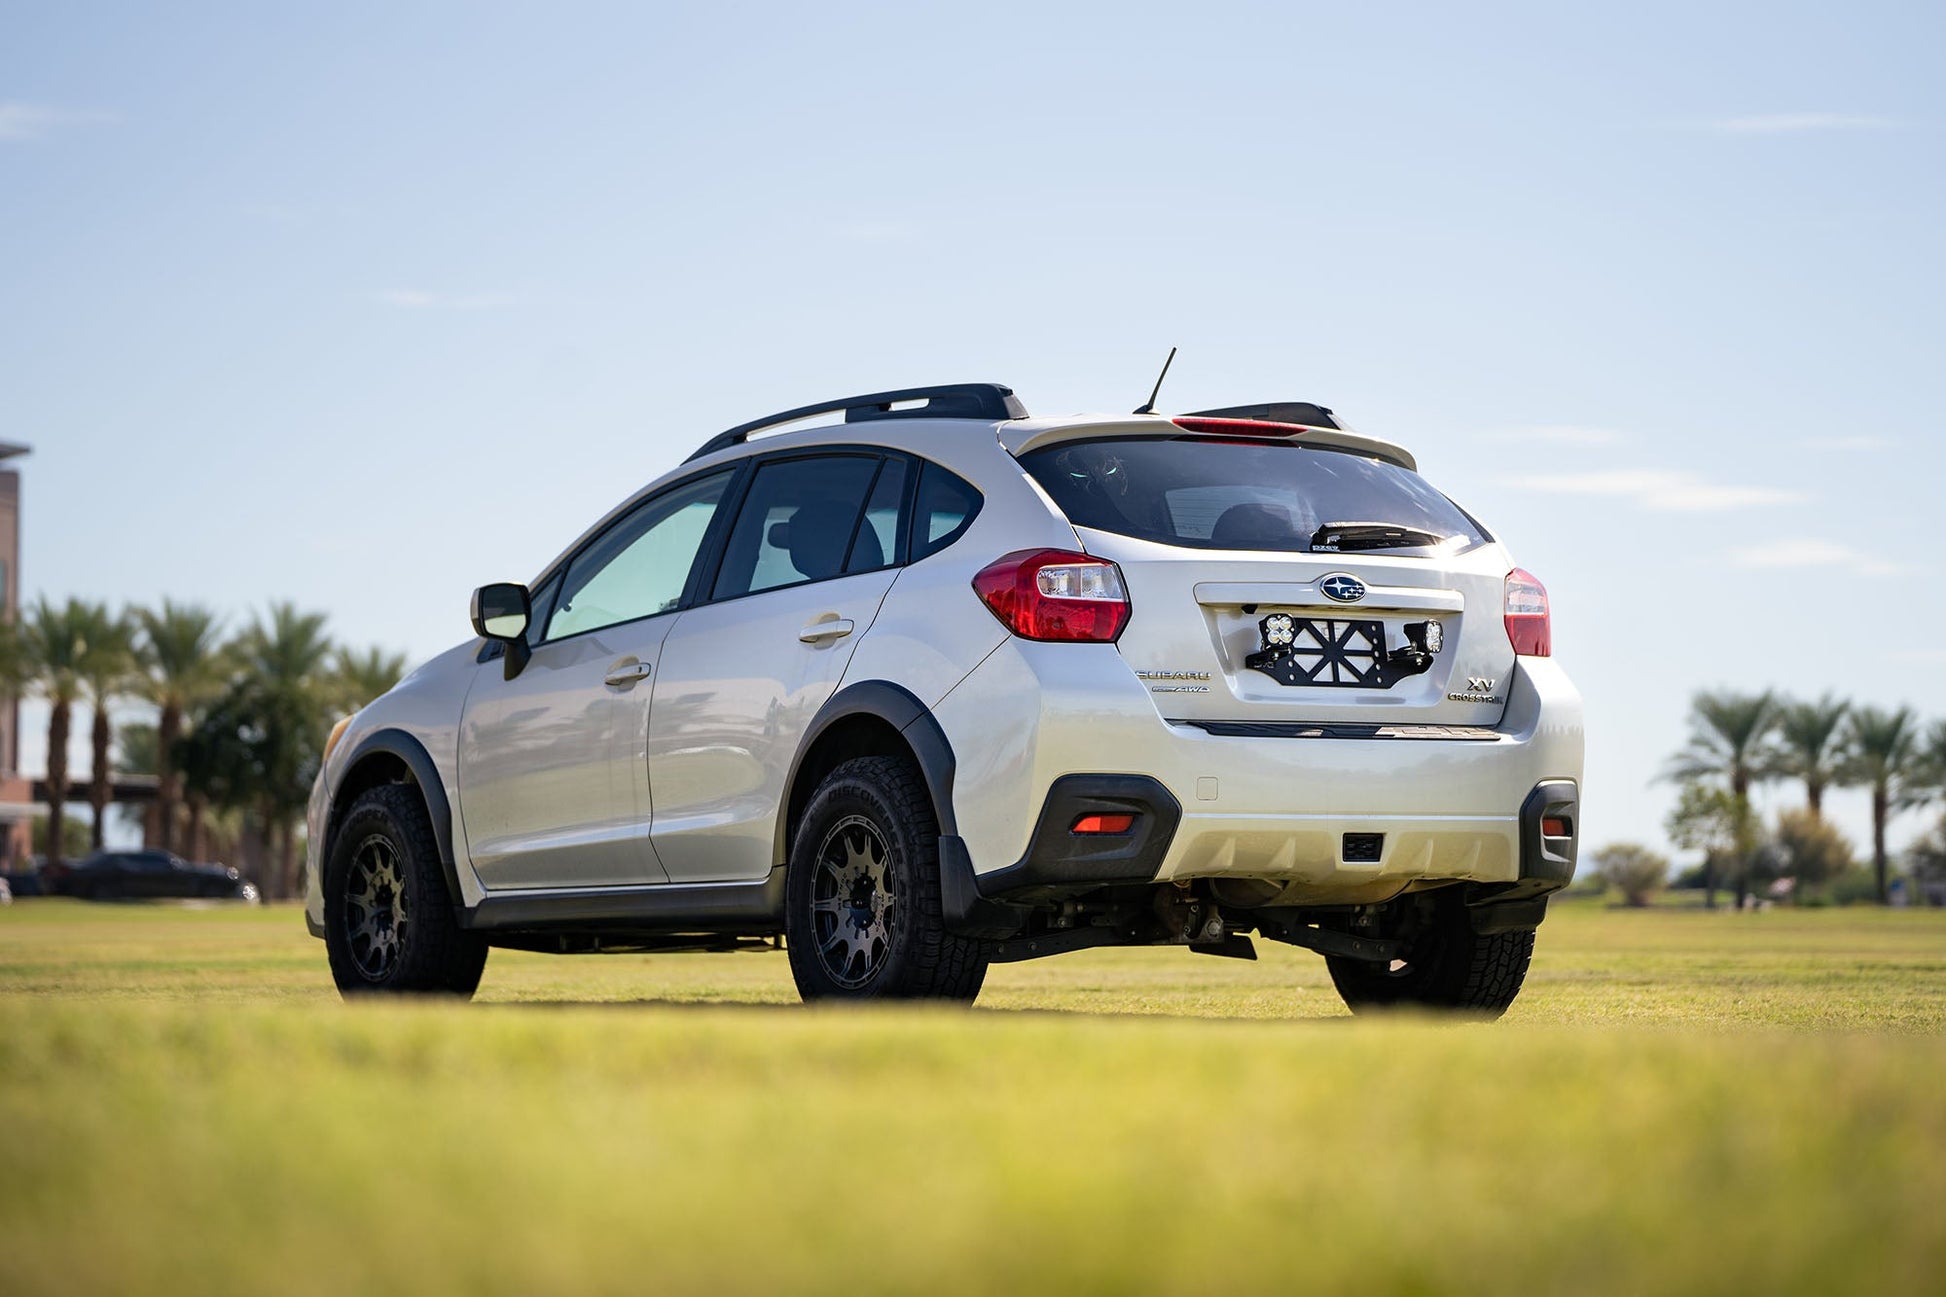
x: 115, y: 875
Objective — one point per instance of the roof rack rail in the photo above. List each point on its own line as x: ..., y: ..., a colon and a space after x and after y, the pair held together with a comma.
x: 1304, y: 412
x: 988, y: 401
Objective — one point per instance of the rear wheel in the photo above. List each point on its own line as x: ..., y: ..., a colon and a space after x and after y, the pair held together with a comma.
x: 862, y: 910
x: 388, y: 921
x: 1442, y: 963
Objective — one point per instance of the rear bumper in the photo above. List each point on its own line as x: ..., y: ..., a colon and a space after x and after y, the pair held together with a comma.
x: 1337, y: 819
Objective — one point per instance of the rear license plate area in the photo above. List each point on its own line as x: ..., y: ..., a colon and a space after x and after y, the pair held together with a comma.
x: 1328, y: 652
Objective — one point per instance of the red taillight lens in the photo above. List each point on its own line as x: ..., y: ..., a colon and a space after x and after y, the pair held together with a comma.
x: 1554, y: 827
x: 1528, y: 624
x: 1103, y: 824
x: 1237, y: 427
x: 1055, y: 594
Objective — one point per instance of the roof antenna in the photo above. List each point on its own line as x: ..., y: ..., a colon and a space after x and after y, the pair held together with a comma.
x: 1148, y: 407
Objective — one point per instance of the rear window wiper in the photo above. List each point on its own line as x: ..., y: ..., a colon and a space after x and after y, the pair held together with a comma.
x: 1336, y: 537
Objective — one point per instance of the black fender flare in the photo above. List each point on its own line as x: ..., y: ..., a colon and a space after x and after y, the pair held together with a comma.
x: 398, y: 743
x: 902, y: 710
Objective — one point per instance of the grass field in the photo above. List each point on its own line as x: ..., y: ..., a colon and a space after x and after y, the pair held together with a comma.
x: 1681, y: 1102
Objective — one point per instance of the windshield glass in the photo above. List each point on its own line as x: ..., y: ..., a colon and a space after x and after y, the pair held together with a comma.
x: 1210, y: 494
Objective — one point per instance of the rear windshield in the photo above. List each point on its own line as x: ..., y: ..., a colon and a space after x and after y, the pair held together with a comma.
x: 1209, y: 494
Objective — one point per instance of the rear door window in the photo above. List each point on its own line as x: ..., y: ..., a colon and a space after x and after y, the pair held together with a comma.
x: 877, y: 543
x: 798, y: 523
x: 944, y: 508
x: 1207, y: 494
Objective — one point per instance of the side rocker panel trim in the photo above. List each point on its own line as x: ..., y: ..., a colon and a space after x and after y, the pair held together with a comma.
x: 756, y: 907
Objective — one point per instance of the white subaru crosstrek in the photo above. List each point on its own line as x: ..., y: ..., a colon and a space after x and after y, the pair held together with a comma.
x: 940, y: 685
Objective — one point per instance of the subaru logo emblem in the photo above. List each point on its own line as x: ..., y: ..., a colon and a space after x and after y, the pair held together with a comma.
x: 1342, y: 587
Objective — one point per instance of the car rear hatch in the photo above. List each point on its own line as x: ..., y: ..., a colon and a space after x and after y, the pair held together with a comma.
x: 1274, y: 584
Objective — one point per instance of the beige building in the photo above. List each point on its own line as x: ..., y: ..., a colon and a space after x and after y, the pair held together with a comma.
x: 16, y: 791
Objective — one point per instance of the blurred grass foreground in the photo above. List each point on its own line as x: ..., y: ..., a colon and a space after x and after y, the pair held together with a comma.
x: 1679, y: 1103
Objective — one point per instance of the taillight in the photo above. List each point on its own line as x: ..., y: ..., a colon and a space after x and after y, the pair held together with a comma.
x: 1528, y: 625
x: 1237, y: 427
x: 1055, y: 594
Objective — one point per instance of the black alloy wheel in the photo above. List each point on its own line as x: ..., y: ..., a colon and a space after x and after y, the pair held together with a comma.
x: 853, y: 908
x: 861, y: 893
x: 376, y: 913
x: 389, y: 922
x: 1443, y: 964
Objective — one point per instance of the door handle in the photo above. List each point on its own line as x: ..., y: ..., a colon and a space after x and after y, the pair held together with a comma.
x: 624, y: 674
x: 818, y: 631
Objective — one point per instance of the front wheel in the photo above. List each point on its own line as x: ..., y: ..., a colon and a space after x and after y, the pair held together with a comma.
x: 1443, y: 963
x: 861, y: 910
x: 388, y: 921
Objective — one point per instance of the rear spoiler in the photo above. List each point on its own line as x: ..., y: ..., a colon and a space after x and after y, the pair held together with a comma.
x: 1032, y: 434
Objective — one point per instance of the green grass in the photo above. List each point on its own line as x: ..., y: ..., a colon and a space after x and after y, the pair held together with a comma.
x: 1681, y: 1102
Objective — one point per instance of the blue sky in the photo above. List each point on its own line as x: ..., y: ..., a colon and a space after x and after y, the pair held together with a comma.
x: 365, y: 304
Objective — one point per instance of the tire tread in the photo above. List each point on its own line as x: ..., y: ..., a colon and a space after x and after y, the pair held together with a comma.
x: 941, y: 965
x: 440, y: 957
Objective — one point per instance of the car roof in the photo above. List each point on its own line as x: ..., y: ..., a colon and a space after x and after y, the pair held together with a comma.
x: 872, y: 421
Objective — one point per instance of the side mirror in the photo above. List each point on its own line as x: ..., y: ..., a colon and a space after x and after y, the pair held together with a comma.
x: 501, y: 612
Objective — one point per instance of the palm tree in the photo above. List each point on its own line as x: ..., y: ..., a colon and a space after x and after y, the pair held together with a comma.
x: 1930, y: 777
x: 55, y: 640
x: 284, y: 689
x: 357, y: 678
x: 1726, y: 742
x: 1885, y: 758
x: 1810, y: 745
x: 182, y: 666
x: 105, y: 670
x: 135, y: 754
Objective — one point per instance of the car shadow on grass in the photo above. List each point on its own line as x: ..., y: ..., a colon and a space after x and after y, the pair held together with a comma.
x: 652, y: 1004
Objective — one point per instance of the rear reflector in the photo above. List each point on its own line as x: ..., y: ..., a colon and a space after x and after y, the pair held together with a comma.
x: 1055, y: 594
x: 1554, y: 828
x: 1103, y: 824
x: 1530, y: 627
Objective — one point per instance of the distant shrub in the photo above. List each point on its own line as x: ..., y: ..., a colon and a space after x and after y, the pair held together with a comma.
x: 1854, y: 887
x: 1809, y: 850
x: 1926, y: 863
x: 1633, y: 870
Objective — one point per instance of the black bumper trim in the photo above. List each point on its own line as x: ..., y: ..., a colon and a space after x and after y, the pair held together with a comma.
x: 1059, y: 862
x: 1550, y: 860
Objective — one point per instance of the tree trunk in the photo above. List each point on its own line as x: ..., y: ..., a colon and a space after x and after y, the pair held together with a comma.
x: 287, y: 858
x: 198, y: 840
x: 272, y: 877
x: 250, y: 850
x: 57, y: 775
x: 168, y: 783
x: 101, y: 789
x: 1740, y: 790
x: 1814, y: 794
x: 1709, y: 879
x: 1878, y: 842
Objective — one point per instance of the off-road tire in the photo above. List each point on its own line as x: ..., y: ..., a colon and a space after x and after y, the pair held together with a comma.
x: 1445, y: 965
x: 920, y: 959
x: 435, y: 956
